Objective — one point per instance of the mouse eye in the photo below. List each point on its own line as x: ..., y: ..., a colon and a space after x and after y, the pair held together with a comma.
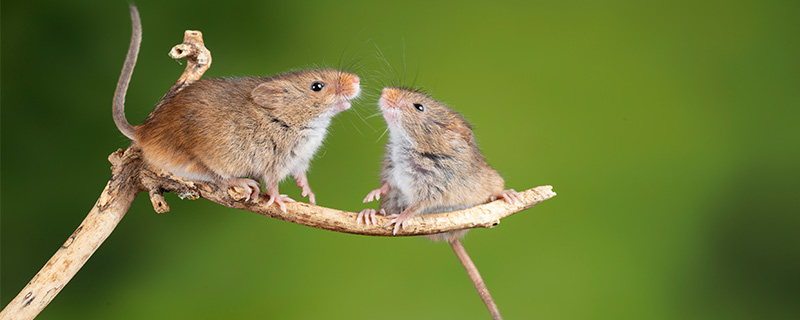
x: 317, y: 86
x: 419, y: 107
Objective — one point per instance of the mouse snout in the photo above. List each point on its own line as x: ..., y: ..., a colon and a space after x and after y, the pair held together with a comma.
x: 390, y: 98
x: 349, y: 86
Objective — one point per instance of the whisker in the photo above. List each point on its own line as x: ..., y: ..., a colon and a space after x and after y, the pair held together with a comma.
x: 382, y: 134
x: 373, y: 115
x: 356, y: 127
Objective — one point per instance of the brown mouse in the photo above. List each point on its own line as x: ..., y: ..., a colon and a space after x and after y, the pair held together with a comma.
x: 226, y: 130
x: 432, y: 164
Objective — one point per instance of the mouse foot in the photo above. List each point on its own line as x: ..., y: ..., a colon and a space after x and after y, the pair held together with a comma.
x: 252, y: 187
x: 399, y: 220
x: 368, y: 216
x: 277, y: 198
x: 302, y: 182
x: 510, y: 196
x: 376, y: 194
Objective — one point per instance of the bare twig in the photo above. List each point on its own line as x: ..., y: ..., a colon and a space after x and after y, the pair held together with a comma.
x: 483, y: 216
x: 198, y: 59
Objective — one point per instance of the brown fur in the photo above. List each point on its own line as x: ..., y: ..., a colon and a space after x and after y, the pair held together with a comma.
x: 217, y: 129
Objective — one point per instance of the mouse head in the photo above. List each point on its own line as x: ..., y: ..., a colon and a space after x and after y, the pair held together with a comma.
x: 421, y: 119
x: 308, y: 95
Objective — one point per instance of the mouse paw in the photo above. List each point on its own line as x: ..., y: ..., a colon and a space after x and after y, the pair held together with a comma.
x: 302, y: 182
x: 511, y: 196
x: 368, y: 216
x: 279, y: 199
x: 376, y: 194
x: 252, y: 188
x: 400, y: 221
x: 312, y: 199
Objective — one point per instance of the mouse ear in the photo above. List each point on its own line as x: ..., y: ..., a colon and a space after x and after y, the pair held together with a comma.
x: 459, y: 134
x: 270, y: 94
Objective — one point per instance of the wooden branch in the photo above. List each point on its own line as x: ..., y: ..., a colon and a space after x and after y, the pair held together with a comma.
x: 130, y: 175
x: 483, y: 216
x: 198, y: 59
x: 114, y: 202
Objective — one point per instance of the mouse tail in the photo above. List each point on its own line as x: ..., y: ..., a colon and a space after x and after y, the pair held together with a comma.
x: 125, y: 78
x: 475, y: 276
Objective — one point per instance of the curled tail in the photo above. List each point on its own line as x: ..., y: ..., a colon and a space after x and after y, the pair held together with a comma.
x: 125, y: 77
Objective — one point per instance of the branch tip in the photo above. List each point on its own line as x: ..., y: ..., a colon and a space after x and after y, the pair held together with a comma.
x: 160, y: 204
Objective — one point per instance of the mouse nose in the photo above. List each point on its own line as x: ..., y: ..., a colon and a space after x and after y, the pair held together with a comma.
x: 349, y: 81
x: 348, y: 85
x: 390, y: 92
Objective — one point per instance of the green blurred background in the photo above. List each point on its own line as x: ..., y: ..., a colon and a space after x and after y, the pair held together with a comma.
x: 669, y: 130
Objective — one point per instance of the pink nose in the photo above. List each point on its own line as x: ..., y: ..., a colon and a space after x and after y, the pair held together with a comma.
x: 390, y: 92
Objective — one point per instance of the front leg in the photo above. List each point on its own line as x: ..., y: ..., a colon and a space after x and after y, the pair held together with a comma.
x: 302, y: 182
x: 376, y: 194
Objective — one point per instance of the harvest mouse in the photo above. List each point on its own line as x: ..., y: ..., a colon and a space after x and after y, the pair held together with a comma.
x: 432, y: 164
x: 226, y: 130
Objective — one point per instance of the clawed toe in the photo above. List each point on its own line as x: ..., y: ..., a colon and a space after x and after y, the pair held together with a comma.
x: 367, y: 216
x: 312, y: 199
x: 252, y: 187
x: 372, y: 196
x: 400, y: 221
x: 376, y: 194
x: 512, y: 196
x: 280, y: 200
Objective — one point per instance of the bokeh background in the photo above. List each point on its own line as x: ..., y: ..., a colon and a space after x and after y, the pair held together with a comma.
x: 669, y: 130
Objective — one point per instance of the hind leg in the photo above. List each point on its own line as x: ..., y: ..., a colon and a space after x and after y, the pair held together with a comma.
x: 252, y: 188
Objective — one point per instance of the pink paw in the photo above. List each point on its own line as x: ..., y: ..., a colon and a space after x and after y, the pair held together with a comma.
x: 302, y: 182
x: 376, y: 194
x: 368, y: 216
x: 252, y: 187
x: 400, y: 221
x: 511, y: 196
x: 312, y: 199
x: 280, y: 200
